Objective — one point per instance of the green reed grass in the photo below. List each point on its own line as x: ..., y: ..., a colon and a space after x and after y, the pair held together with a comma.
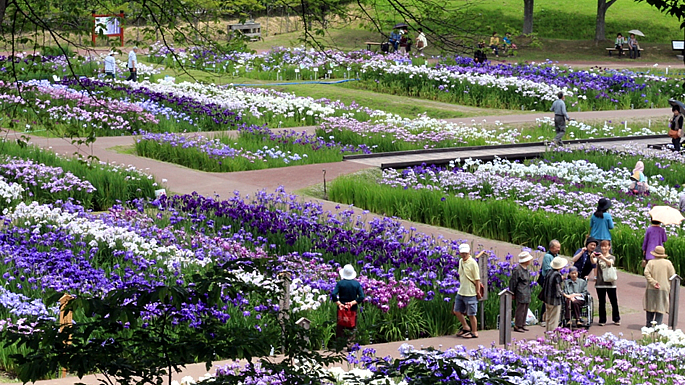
x: 503, y: 220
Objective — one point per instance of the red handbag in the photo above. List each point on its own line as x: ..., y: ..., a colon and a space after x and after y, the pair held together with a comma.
x: 347, y: 318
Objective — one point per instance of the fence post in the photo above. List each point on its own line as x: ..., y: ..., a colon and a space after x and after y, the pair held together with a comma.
x: 65, y: 319
x: 674, y: 297
x: 284, y: 303
x: 505, y: 316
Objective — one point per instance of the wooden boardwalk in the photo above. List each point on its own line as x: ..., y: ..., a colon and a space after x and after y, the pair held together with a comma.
x: 442, y: 156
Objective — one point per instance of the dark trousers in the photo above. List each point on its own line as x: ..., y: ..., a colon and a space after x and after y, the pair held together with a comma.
x: 656, y: 317
x: 575, y: 306
x: 601, y: 294
x: 676, y: 144
x: 495, y: 48
x: 619, y: 48
x: 133, y: 76
x: 634, y: 53
x: 521, y: 313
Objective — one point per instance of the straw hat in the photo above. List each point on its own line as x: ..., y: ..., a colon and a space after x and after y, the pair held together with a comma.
x: 525, y: 257
x: 559, y: 262
x: 464, y: 248
x: 659, y: 252
x: 348, y: 272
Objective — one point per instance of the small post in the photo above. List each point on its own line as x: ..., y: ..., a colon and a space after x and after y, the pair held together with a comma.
x: 674, y: 297
x: 626, y: 124
x: 284, y: 303
x: 505, y: 316
x: 65, y: 319
x: 325, y: 191
x: 305, y: 324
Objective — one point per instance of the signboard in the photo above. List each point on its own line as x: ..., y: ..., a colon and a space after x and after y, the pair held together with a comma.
x: 678, y: 45
x: 108, y: 25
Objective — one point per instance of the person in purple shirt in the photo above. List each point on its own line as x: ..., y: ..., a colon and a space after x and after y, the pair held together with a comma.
x: 654, y: 236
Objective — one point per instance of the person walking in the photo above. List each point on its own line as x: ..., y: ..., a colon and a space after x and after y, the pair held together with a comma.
x: 655, y: 235
x: 676, y: 124
x: 552, y: 252
x: 466, y: 301
x: 604, y: 288
x: 560, y: 118
x: 585, y: 259
x: 601, y: 221
x: 133, y: 64
x: 552, y: 293
x: 658, y: 273
x: 347, y: 294
x: 110, y: 65
x: 633, y: 47
x: 519, y: 285
x: 421, y: 42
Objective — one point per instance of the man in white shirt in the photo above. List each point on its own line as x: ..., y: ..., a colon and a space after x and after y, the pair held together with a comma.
x: 110, y: 65
x: 133, y: 64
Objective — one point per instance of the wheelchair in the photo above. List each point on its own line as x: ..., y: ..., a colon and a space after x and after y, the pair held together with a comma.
x: 586, y: 315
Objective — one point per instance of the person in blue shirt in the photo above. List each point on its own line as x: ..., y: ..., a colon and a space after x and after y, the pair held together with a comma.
x: 347, y: 294
x: 601, y: 221
x: 394, y: 39
x: 585, y: 259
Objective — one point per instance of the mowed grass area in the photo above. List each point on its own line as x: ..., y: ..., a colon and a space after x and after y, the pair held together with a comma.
x: 576, y: 20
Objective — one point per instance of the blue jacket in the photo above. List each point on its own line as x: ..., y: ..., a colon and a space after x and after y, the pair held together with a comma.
x: 599, y: 227
x: 348, y: 290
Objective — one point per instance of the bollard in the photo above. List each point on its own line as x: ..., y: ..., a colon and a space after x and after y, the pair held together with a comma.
x: 65, y: 319
x: 505, y: 316
x: 674, y: 297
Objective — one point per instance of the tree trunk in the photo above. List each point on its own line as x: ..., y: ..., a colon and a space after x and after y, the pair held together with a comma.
x: 600, y: 29
x: 527, y: 16
x: 3, y: 9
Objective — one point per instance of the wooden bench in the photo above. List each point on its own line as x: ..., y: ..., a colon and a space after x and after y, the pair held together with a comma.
x: 613, y: 49
x: 370, y: 43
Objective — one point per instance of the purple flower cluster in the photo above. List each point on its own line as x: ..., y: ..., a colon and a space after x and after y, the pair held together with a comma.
x: 29, y: 173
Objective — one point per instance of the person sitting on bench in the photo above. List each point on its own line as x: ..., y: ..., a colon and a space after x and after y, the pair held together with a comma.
x: 618, y: 44
x: 633, y: 47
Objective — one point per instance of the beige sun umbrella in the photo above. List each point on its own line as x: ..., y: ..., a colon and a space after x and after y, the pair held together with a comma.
x: 636, y: 32
x: 666, y: 215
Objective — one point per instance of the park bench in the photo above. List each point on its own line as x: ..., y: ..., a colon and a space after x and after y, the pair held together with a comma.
x: 625, y: 51
x: 371, y: 43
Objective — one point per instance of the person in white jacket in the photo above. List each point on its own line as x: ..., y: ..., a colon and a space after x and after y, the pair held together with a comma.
x: 110, y: 65
x: 421, y: 42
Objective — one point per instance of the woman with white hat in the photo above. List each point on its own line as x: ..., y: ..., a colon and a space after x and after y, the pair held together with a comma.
x: 519, y: 285
x: 347, y: 294
x: 657, y: 272
x: 552, y: 294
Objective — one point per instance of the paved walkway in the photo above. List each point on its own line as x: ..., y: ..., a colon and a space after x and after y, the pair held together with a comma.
x: 183, y: 180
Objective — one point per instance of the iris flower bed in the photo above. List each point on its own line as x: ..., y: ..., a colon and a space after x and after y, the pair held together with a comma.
x: 255, y: 148
x: 565, y: 357
x: 528, y: 204
x: 533, y: 87
x: 32, y: 174
x: 410, y: 277
x: 386, y: 132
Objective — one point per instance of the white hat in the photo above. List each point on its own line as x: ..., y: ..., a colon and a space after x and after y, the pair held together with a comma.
x: 464, y: 248
x: 348, y: 272
x: 559, y: 262
x: 525, y: 257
